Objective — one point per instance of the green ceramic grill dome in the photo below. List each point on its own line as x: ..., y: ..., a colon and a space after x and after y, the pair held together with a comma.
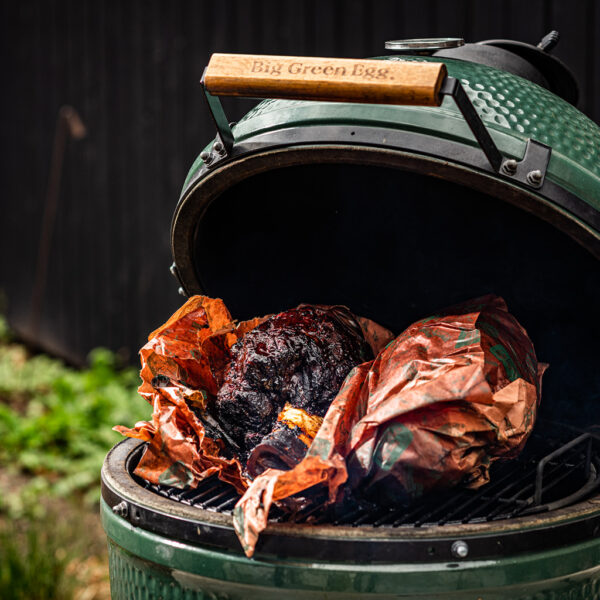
x: 289, y: 159
x: 512, y: 108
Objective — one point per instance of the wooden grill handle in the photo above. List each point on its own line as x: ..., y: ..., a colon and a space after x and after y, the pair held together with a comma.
x: 332, y: 79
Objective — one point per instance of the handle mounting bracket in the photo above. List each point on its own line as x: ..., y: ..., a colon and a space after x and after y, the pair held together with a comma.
x: 223, y: 144
x: 531, y: 170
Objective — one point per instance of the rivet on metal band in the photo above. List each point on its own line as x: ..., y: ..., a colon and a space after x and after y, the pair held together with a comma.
x: 121, y: 509
x: 460, y: 549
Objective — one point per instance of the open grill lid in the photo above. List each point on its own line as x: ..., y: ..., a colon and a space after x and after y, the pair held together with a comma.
x: 397, y: 210
x: 516, y: 140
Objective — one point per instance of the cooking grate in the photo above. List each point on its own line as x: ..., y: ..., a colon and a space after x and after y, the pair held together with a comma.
x: 551, y: 473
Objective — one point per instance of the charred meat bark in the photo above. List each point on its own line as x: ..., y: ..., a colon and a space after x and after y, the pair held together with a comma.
x: 300, y: 356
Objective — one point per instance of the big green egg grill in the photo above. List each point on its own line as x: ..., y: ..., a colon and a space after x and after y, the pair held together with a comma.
x: 331, y: 192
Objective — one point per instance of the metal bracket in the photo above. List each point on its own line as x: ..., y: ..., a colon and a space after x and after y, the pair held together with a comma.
x: 175, y: 272
x: 224, y: 142
x: 452, y: 87
x: 539, y: 479
x: 531, y: 170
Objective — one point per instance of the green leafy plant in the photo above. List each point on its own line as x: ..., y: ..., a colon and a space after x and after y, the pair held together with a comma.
x: 33, y: 562
x: 55, y: 421
x: 55, y: 430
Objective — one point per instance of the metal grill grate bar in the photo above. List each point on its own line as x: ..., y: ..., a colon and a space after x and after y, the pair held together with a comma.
x: 511, y: 492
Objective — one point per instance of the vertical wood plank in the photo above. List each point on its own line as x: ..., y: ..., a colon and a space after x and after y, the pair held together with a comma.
x: 447, y: 18
x: 488, y: 20
x: 527, y: 21
x: 325, y: 28
x: 570, y: 19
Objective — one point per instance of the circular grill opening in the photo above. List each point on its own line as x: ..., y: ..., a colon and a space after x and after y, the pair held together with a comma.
x: 502, y: 518
x: 396, y: 245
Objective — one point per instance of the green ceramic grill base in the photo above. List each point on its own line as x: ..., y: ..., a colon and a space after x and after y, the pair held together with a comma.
x: 147, y: 566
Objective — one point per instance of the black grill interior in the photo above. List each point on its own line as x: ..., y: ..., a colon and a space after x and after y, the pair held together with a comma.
x: 571, y: 473
x: 397, y: 246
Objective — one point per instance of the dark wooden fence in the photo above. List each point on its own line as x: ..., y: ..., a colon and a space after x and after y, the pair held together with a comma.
x: 131, y: 70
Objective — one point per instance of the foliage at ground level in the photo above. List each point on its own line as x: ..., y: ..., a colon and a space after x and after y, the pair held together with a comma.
x: 55, y: 429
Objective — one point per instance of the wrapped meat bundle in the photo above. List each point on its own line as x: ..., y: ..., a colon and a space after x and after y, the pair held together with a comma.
x: 450, y: 395
x: 223, y: 392
x: 182, y: 369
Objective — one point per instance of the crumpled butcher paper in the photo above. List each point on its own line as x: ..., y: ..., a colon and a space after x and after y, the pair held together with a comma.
x: 450, y: 395
x: 183, y: 367
x: 435, y: 408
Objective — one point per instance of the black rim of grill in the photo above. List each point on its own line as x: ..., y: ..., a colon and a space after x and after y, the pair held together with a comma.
x: 499, y: 519
x: 550, y: 473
